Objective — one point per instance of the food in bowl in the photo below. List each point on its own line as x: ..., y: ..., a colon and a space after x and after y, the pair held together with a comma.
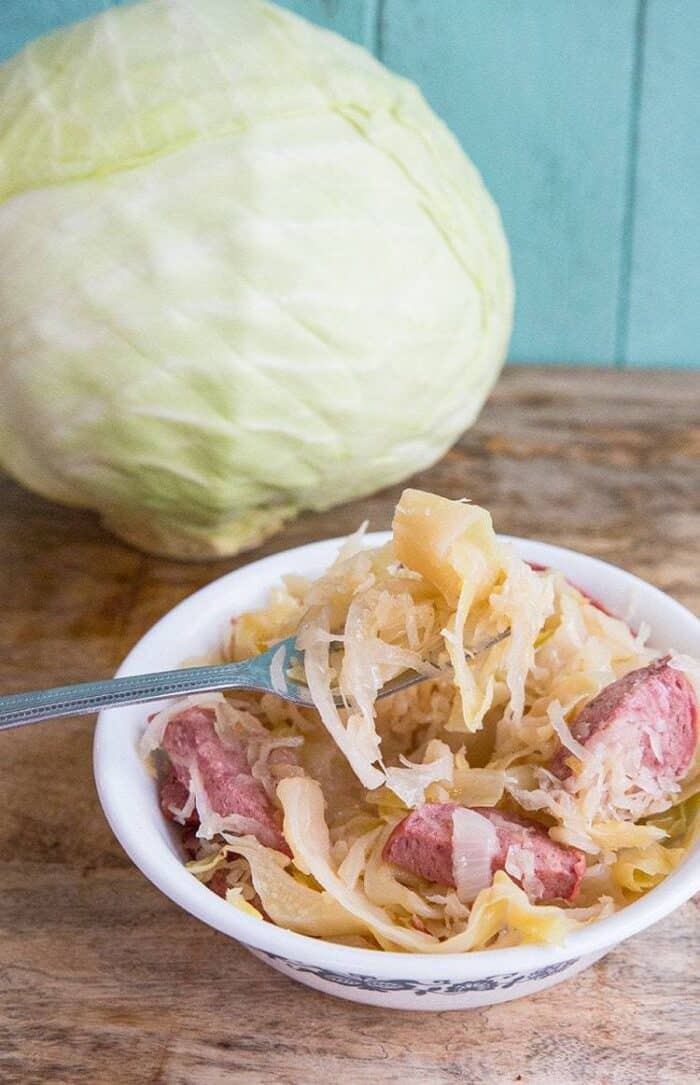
x: 510, y: 798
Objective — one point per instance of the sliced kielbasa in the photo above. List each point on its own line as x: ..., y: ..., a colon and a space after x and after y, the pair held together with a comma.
x: 190, y: 739
x: 173, y: 799
x: 653, y: 709
x: 422, y: 844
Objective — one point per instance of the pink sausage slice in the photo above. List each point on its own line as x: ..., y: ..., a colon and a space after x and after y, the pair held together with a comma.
x: 190, y: 738
x: 653, y: 708
x: 173, y: 798
x: 422, y: 844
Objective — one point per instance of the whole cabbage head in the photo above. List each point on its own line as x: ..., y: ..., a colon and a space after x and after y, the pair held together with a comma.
x: 244, y: 271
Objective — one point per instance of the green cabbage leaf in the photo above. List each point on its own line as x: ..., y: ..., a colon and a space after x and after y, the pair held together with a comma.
x: 244, y: 271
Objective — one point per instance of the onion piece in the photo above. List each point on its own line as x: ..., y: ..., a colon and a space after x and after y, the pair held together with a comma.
x: 474, y: 847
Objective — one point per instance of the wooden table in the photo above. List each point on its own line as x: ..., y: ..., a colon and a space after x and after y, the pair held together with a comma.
x: 103, y: 980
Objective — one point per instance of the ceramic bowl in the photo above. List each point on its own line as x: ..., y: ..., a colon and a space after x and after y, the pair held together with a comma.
x: 399, y: 980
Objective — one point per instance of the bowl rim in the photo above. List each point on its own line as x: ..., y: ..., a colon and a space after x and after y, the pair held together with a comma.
x: 168, y: 873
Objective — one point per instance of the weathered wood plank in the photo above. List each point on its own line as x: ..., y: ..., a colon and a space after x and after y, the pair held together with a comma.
x: 104, y: 980
x: 115, y: 986
x: 664, y: 312
x: 539, y: 95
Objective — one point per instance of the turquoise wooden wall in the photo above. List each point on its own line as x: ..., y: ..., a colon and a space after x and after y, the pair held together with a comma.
x: 584, y: 118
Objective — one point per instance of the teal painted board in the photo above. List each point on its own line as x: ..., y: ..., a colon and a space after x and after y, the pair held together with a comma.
x: 583, y: 116
x: 539, y: 93
x: 354, y: 19
x: 664, y: 300
x: 23, y: 20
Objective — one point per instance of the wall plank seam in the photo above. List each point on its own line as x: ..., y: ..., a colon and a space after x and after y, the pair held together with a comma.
x: 373, y: 31
x: 621, y: 359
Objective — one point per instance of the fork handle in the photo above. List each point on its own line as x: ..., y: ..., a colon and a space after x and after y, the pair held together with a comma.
x: 20, y: 708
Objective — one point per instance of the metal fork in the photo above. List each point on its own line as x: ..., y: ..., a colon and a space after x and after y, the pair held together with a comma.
x: 265, y: 673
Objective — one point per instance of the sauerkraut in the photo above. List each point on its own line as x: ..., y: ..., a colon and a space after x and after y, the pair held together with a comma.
x: 496, y: 730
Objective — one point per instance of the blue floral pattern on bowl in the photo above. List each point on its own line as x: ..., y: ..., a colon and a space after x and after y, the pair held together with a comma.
x: 421, y: 987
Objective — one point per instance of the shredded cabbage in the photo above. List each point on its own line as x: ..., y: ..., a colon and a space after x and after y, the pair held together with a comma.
x: 411, y: 781
x: 290, y: 902
x: 490, y: 731
x: 307, y: 834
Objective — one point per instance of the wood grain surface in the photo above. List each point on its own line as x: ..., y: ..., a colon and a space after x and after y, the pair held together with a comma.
x: 103, y: 980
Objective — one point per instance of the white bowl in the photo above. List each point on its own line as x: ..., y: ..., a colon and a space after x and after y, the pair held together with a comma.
x: 400, y: 980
